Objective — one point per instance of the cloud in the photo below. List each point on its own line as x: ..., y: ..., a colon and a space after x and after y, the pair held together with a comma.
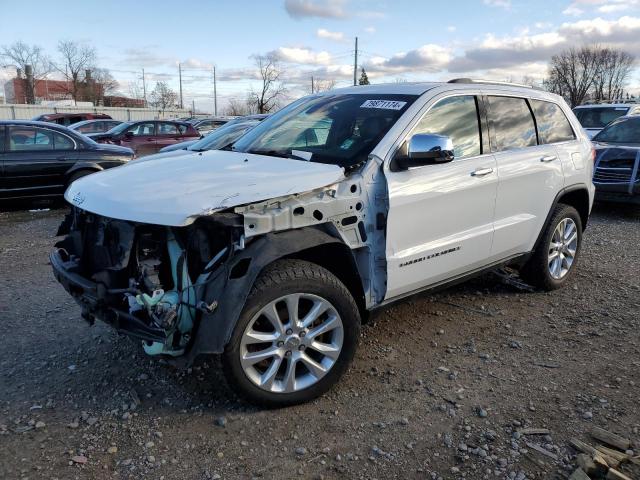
x: 370, y: 30
x: 578, y: 7
x: 302, y: 55
x: 299, y: 9
x: 146, y: 57
x: 451, y: 28
x: 427, y: 58
x: 498, y: 3
x: 335, y: 36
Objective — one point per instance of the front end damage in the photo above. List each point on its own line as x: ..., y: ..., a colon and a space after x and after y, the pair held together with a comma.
x: 145, y: 280
x: 181, y: 289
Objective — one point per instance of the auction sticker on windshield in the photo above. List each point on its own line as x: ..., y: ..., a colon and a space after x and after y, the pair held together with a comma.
x: 386, y: 104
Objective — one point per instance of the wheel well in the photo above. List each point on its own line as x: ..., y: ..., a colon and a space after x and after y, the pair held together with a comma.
x: 80, y: 172
x: 338, y: 259
x: 578, y: 199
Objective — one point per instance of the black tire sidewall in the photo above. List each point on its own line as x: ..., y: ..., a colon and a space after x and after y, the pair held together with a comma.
x: 537, y: 271
x: 334, y: 292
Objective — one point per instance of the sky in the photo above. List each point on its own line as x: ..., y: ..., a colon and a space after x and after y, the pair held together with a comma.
x: 399, y: 40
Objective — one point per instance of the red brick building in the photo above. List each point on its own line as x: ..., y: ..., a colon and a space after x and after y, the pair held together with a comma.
x: 15, y: 90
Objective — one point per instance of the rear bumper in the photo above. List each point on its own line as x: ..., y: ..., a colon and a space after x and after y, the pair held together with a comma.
x: 93, y: 298
x: 617, y: 197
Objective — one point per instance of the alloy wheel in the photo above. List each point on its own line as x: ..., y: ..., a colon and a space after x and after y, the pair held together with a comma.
x: 291, y: 343
x: 562, y: 248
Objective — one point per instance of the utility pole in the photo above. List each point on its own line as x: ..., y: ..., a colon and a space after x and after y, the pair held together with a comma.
x: 193, y: 107
x: 215, y: 93
x: 144, y: 90
x: 313, y: 90
x: 355, y: 65
x: 180, y: 76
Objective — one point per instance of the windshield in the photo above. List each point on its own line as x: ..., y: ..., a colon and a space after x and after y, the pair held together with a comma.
x: 598, y: 117
x: 340, y: 129
x: 223, y: 136
x: 622, y: 131
x: 119, y: 128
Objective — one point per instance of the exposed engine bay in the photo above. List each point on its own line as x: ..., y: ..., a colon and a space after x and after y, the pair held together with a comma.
x: 148, y: 279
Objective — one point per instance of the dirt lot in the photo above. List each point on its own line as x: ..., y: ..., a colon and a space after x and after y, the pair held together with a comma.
x: 438, y: 389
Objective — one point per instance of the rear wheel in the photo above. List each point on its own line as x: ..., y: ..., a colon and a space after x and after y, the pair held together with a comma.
x: 555, y: 258
x: 296, y: 336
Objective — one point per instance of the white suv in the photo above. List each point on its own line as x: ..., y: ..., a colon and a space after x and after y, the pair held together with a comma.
x: 272, y: 254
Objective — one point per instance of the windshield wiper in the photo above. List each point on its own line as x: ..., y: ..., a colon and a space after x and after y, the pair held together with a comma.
x: 271, y: 153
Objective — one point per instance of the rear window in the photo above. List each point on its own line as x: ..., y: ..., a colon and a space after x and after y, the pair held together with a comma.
x: 513, y: 125
x: 624, y: 131
x: 598, y: 117
x: 553, y: 126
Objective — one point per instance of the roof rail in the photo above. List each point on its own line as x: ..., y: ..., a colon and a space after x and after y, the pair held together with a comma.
x: 488, y: 82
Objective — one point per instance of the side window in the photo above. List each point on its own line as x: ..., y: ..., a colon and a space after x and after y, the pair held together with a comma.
x: 553, y: 126
x: 167, y: 129
x: 457, y: 118
x: 29, y: 139
x: 142, y: 129
x: 182, y: 129
x: 1, y: 138
x: 512, y: 122
x: 62, y: 142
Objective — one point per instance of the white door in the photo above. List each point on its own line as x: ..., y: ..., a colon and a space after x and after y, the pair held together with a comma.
x: 440, y: 221
x: 530, y: 176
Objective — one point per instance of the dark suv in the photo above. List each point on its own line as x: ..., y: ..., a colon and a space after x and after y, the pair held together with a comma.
x: 40, y: 160
x: 67, y: 119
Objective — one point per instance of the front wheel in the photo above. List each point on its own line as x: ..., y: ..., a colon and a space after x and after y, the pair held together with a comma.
x: 555, y: 257
x: 296, y: 335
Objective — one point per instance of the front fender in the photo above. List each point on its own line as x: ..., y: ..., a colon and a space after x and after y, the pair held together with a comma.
x: 231, y: 290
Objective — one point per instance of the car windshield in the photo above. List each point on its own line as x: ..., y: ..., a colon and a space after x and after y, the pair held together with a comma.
x: 622, y: 131
x: 340, y: 129
x: 222, y: 137
x: 119, y: 128
x: 598, y: 117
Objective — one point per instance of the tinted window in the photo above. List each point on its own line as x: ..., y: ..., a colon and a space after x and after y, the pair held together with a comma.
x: 456, y: 118
x: 223, y: 136
x: 512, y: 122
x: 620, y: 131
x: 167, y: 129
x: 29, y: 139
x: 598, y: 117
x: 142, y: 129
x: 1, y: 138
x: 553, y: 125
x: 62, y: 142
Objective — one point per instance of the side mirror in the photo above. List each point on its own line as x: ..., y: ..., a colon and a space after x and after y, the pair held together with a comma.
x: 424, y: 149
x: 128, y: 135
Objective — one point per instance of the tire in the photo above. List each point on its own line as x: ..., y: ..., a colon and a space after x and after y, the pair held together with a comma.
x: 539, y: 269
x: 309, y: 286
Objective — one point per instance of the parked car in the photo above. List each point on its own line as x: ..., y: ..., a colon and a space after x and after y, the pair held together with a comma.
x: 206, y: 125
x: 272, y: 253
x: 594, y: 118
x: 67, y: 119
x: 219, y: 139
x: 617, y: 169
x: 40, y: 160
x: 94, y: 126
x: 147, y: 136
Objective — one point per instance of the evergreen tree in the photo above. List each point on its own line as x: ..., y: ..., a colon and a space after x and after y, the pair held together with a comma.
x: 364, y: 79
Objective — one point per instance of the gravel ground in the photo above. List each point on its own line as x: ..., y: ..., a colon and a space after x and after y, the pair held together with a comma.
x: 440, y: 385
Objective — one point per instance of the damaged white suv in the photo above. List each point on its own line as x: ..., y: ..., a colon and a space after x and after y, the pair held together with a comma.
x: 273, y: 253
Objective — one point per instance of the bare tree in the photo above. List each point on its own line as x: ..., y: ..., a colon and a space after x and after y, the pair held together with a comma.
x: 237, y: 107
x: 75, y: 60
x: 30, y: 59
x: 322, y: 85
x: 615, y: 68
x: 98, y: 83
x: 163, y: 96
x: 266, y: 99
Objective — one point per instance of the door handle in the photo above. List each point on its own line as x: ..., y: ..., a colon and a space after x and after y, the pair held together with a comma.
x: 548, y: 158
x: 481, y: 172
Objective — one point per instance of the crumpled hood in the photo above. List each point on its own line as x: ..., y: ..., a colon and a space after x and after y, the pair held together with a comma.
x: 174, y: 191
